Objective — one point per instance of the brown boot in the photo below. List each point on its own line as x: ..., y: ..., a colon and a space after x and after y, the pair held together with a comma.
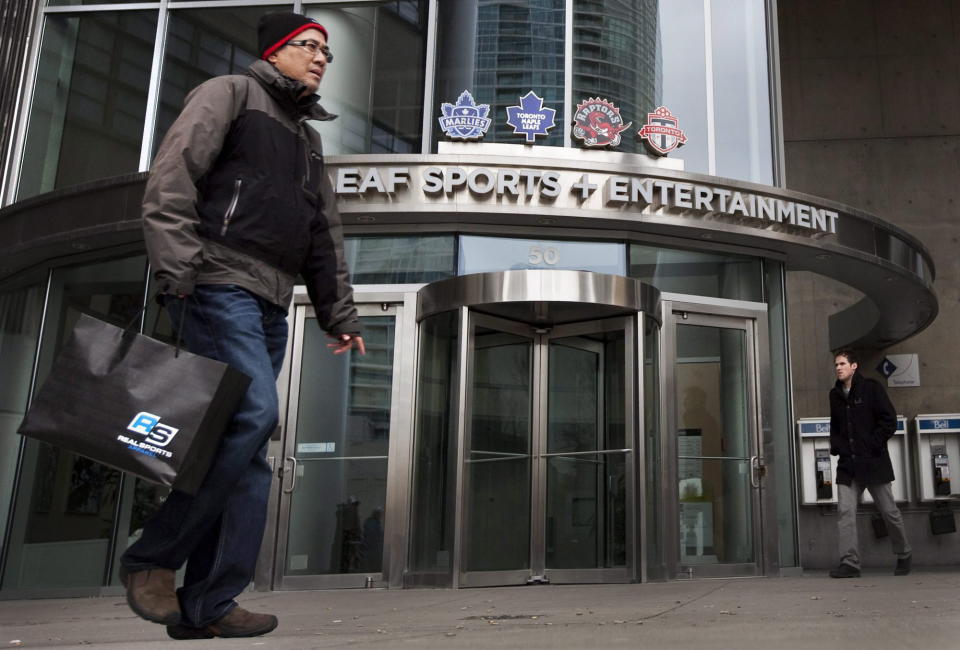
x: 238, y: 622
x: 152, y: 595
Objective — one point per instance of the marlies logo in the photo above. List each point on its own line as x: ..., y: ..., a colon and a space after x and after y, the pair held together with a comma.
x: 148, y: 424
x: 597, y: 123
x: 661, y: 133
x: 465, y: 120
x: 530, y: 118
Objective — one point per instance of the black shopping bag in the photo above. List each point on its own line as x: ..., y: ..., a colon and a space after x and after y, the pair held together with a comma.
x: 136, y: 404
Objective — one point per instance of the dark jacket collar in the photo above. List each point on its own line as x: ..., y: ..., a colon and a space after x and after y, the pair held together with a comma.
x: 857, y: 380
x: 287, y: 92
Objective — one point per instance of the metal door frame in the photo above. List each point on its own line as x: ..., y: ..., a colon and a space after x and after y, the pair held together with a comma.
x: 371, y: 300
x: 540, y: 339
x: 752, y: 319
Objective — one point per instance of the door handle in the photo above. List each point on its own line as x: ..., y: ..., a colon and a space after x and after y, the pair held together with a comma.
x: 754, y: 471
x: 293, y: 472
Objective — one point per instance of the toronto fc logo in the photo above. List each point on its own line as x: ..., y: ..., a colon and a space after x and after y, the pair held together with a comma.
x: 661, y: 133
x: 597, y: 123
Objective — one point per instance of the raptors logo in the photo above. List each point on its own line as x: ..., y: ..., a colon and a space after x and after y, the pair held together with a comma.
x: 597, y: 123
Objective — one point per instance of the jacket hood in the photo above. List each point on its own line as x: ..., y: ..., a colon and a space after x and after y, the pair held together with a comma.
x: 288, y: 92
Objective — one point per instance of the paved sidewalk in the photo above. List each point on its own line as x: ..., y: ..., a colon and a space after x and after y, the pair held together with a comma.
x: 874, y: 612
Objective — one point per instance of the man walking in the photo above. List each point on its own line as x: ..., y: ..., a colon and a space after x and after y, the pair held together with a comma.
x: 862, y: 419
x: 238, y: 204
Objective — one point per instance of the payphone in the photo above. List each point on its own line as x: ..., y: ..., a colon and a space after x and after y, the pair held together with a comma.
x: 819, y: 469
x: 937, y: 452
x: 824, y: 475
x: 941, y: 470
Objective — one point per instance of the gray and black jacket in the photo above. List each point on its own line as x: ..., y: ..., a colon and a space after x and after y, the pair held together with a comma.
x: 238, y: 194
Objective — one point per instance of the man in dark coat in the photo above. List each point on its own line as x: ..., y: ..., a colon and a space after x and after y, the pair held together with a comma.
x: 238, y: 205
x: 862, y: 419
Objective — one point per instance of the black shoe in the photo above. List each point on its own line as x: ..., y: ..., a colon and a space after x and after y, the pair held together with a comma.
x: 845, y: 571
x: 238, y: 622
x: 903, y: 566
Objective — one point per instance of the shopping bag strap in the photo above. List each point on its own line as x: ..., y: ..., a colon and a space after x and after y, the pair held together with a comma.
x: 156, y: 321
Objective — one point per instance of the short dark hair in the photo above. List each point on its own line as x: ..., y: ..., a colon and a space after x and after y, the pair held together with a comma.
x: 851, y: 356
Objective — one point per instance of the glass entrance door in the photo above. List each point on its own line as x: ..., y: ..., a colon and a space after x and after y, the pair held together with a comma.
x: 333, y: 520
x: 548, y: 454
x: 715, y: 415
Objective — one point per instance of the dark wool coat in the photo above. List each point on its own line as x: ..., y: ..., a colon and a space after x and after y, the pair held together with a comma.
x: 860, y: 425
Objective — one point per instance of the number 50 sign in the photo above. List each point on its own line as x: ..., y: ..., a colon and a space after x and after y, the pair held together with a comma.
x: 543, y: 255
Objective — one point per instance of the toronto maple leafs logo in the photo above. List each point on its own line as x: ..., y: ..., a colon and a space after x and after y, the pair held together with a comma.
x: 662, y: 133
x: 465, y: 120
x: 597, y: 123
x: 530, y: 118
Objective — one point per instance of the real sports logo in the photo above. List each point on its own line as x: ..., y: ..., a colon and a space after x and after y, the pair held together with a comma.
x: 157, y: 435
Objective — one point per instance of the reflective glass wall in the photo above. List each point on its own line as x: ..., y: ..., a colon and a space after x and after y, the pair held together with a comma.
x: 375, y: 84
x: 106, y: 88
x: 500, y: 50
x: 66, y: 509
x: 90, y: 99
x: 21, y: 311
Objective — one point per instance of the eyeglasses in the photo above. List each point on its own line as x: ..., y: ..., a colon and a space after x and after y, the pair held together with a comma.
x: 313, y: 47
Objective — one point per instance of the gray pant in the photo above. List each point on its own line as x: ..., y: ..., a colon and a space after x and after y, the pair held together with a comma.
x: 848, y: 496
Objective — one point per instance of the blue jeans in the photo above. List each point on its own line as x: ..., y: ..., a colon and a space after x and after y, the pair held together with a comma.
x: 218, y: 531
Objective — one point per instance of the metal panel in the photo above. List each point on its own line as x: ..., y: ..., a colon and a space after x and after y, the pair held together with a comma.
x: 400, y: 466
x: 540, y: 297
x: 638, y: 516
x: 892, y: 268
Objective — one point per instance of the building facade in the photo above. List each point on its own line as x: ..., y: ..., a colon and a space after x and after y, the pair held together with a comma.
x: 581, y: 359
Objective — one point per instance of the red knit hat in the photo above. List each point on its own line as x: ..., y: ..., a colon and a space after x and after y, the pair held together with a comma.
x: 274, y: 30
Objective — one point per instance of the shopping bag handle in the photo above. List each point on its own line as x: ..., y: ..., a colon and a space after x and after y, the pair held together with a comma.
x: 139, y: 314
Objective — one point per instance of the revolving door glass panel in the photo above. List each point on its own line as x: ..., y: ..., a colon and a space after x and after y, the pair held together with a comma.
x: 548, y: 444
x: 587, y: 452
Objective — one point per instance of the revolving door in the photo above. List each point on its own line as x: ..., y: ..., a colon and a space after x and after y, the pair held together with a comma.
x: 534, y: 392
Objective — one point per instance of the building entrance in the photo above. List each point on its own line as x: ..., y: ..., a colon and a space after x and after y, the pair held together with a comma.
x: 548, y: 480
x: 529, y: 420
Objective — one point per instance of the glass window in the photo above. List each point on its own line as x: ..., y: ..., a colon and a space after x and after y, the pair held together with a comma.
x: 716, y: 275
x: 66, y: 506
x: 20, y: 314
x: 201, y: 44
x: 648, y: 53
x: 72, y: 3
x: 616, y: 57
x: 500, y: 50
x: 683, y: 57
x: 741, y: 95
x: 400, y: 260
x: 375, y: 83
x: 90, y: 99
x: 435, y: 451
x: 342, y: 443
x: 483, y: 254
